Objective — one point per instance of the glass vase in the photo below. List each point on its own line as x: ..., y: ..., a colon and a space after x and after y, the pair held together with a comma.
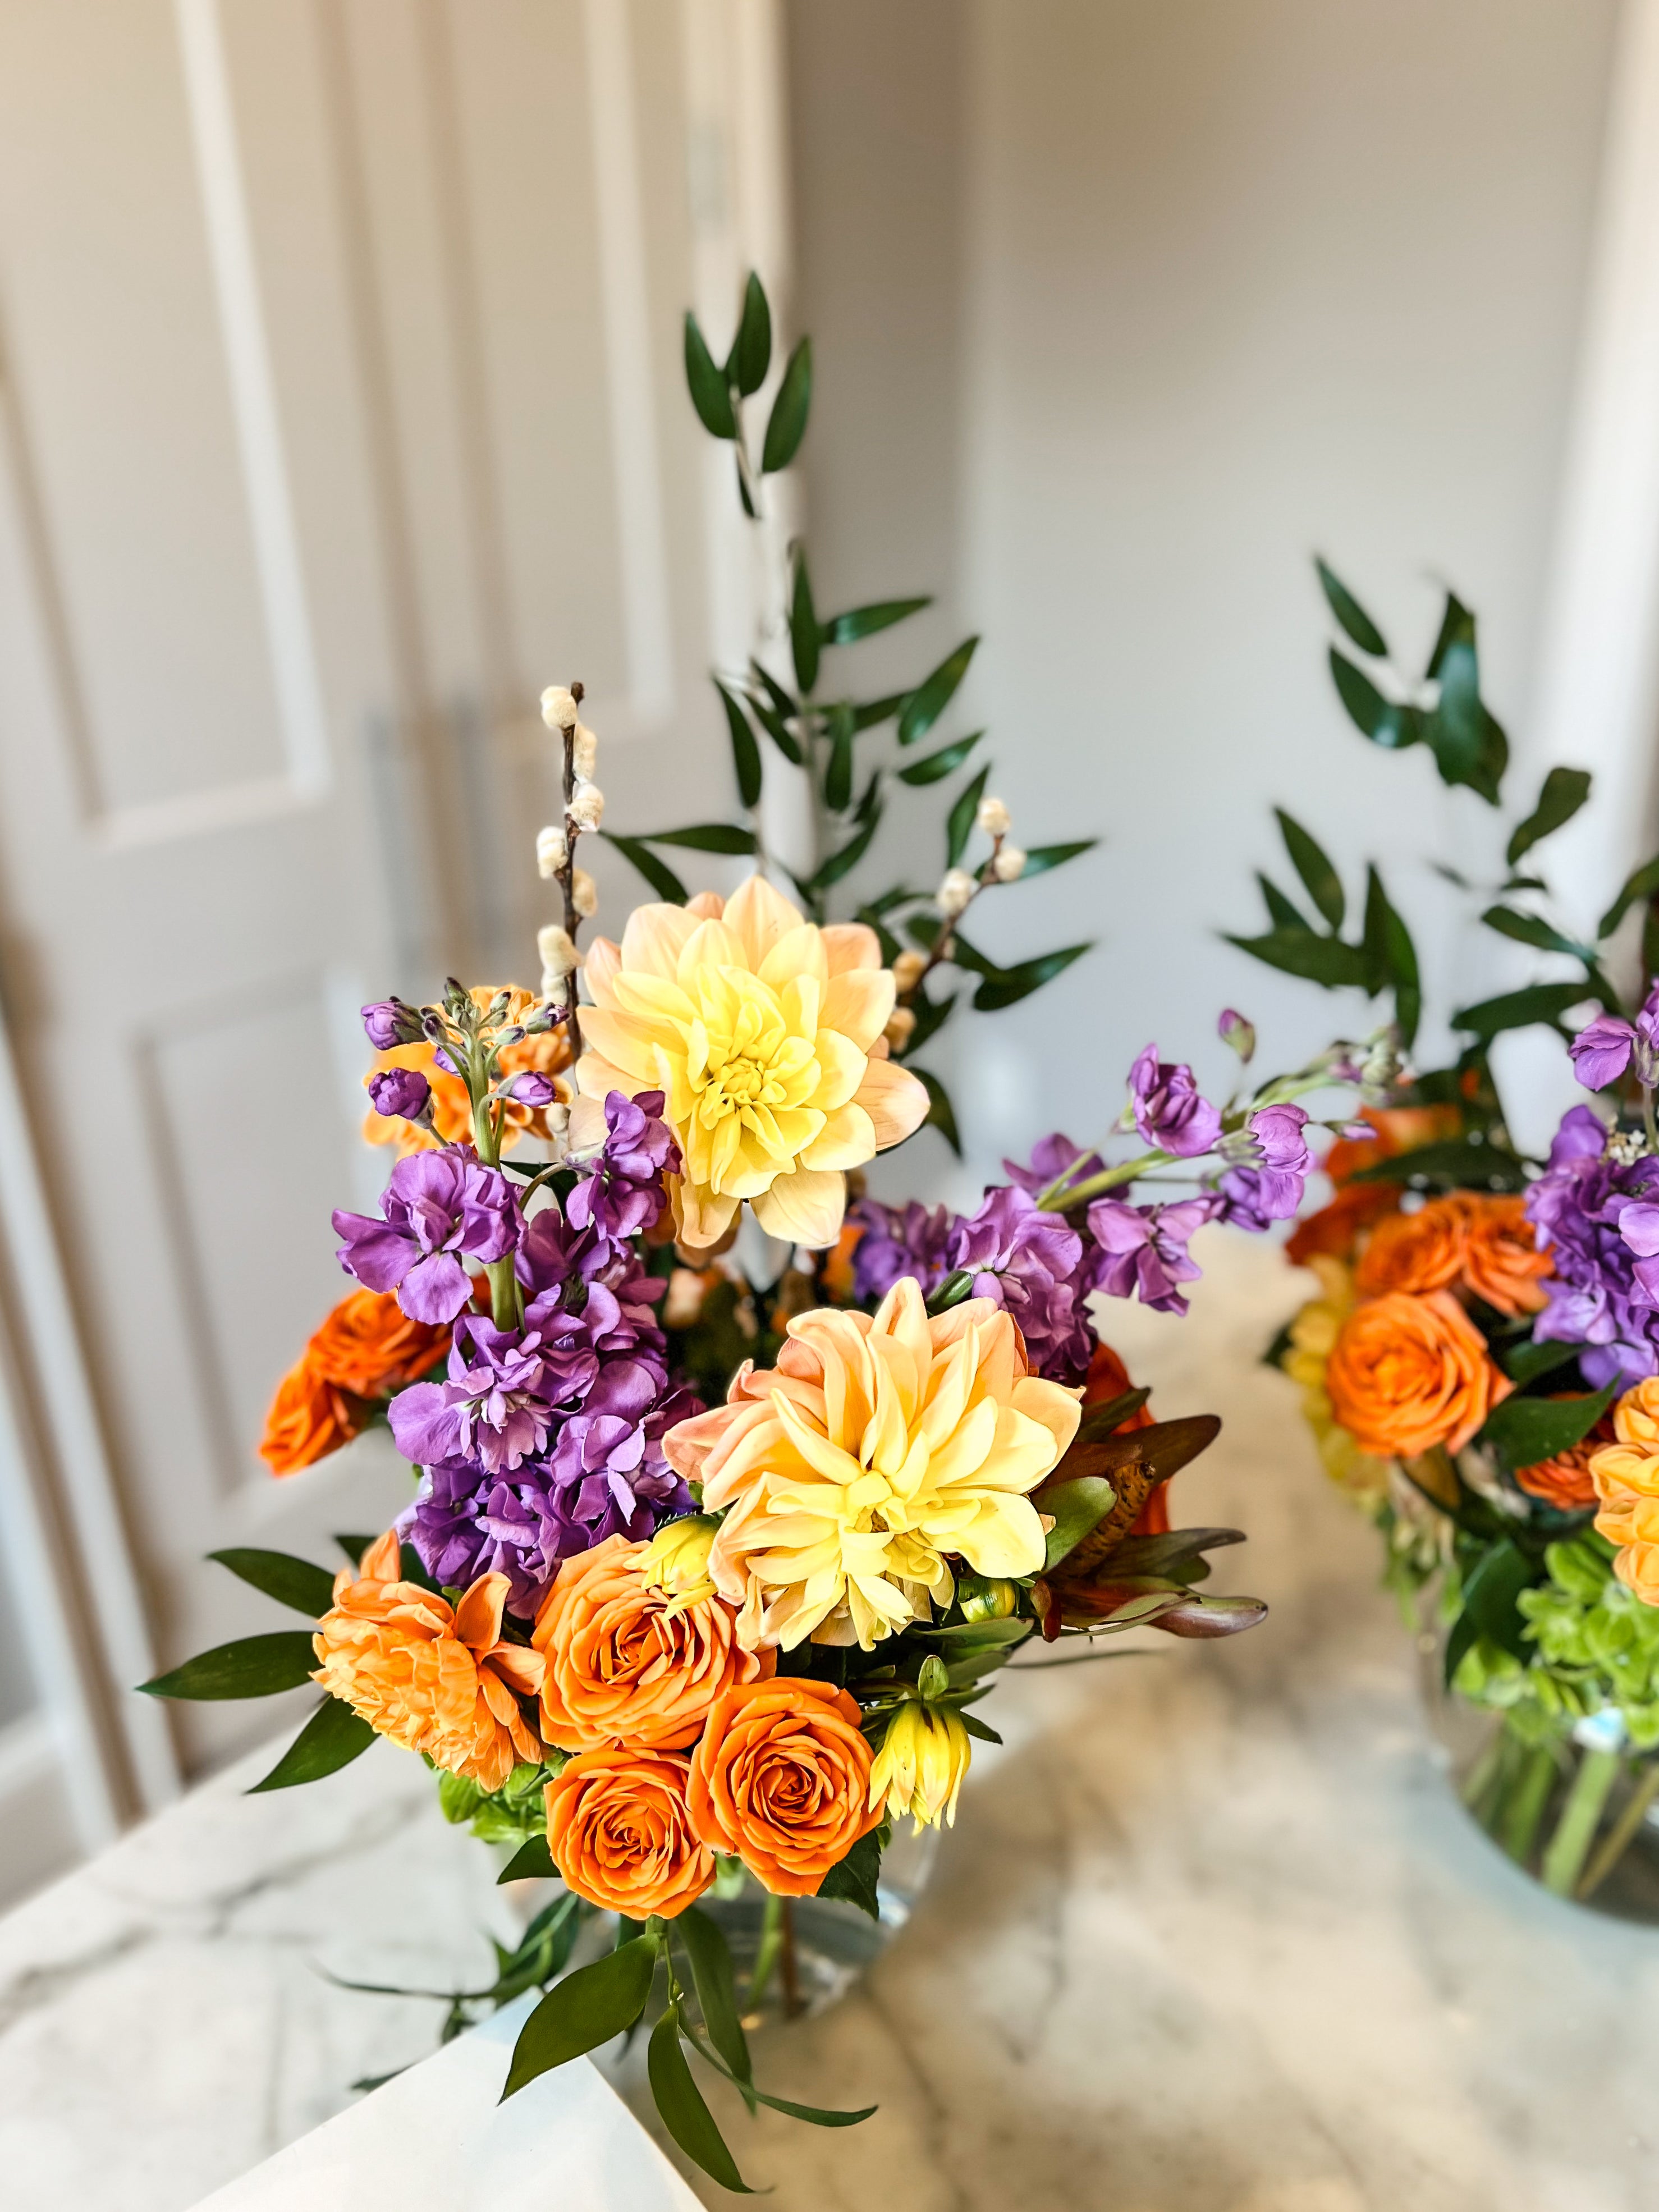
x: 1570, y: 1803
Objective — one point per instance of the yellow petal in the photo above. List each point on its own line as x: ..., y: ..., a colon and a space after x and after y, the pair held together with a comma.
x: 760, y: 916
x: 799, y: 951
x: 702, y: 1216
x: 860, y: 1003
x: 841, y: 1069
x: 805, y: 1207
x: 625, y: 1041
x: 848, y: 944
x: 600, y: 966
x: 847, y: 1140
x: 654, y: 937
x: 895, y: 1100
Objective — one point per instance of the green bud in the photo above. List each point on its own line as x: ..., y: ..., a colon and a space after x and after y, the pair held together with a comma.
x: 986, y: 1597
x: 934, y: 1679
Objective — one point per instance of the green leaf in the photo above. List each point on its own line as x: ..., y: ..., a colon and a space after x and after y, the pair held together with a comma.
x: 709, y: 393
x: 1041, y: 858
x: 1565, y: 790
x: 704, y: 837
x: 941, y: 1113
x: 309, y: 1590
x: 877, y: 710
x: 1316, y: 959
x: 844, y: 862
x: 932, y: 1015
x: 853, y: 1877
x: 937, y: 766
x: 1531, y: 929
x: 1383, y: 721
x: 1456, y: 625
x: 1078, y: 1508
x: 810, y: 2113
x: 531, y: 1861
x: 253, y: 1667
x: 924, y: 706
x: 770, y: 713
x: 838, y: 771
x: 1283, y: 912
x: 1010, y: 985
x: 684, y: 2114
x: 959, y: 824
x: 787, y: 426
x: 1323, y: 883
x: 586, y: 2009
x: 745, y: 751
x: 1388, y: 946
x: 1459, y: 1162
x: 1642, y: 883
x: 1518, y: 1010
x: 711, y: 1973
x: 751, y: 349
x: 331, y: 1739
x: 658, y: 873
x: 1468, y: 745
x: 865, y: 621
x: 804, y: 628
x: 1490, y: 1607
x: 1522, y: 1432
x: 1352, y: 616
x: 1525, y: 1363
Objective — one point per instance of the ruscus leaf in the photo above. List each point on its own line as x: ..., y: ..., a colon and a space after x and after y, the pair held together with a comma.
x: 1383, y: 721
x: 251, y: 1666
x: 684, y: 2114
x: 853, y: 1879
x: 959, y: 824
x: 1565, y: 790
x: 583, y: 2011
x: 924, y: 706
x: 941, y: 1113
x: 746, y: 749
x: 710, y: 1956
x: 1356, y: 623
x: 751, y: 349
x: 708, y: 386
x: 1041, y: 858
x: 1078, y: 1509
x: 804, y: 627
x: 309, y: 1590
x: 865, y: 621
x: 531, y: 1861
x: 1522, y: 1432
x: 658, y: 873
x: 1320, y: 879
x: 331, y: 1739
x: 1010, y: 985
x: 937, y: 766
x: 704, y: 837
x: 787, y: 425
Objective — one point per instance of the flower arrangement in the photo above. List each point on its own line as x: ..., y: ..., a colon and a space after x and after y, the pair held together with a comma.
x: 1480, y: 1366
x: 711, y: 1556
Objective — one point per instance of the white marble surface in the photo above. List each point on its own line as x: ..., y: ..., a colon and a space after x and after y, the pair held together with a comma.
x: 1209, y: 1932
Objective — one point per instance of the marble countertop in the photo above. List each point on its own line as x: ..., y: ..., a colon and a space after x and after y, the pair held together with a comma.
x: 1209, y: 1931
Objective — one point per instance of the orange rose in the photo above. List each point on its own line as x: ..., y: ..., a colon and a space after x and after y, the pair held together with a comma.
x: 1334, y: 1230
x: 433, y: 1677
x: 370, y: 1347
x: 619, y: 1832
x: 309, y: 1418
x: 781, y: 1778
x: 1415, y: 1252
x: 1502, y: 1263
x: 1565, y: 1481
x: 1407, y: 1373
x: 628, y: 1664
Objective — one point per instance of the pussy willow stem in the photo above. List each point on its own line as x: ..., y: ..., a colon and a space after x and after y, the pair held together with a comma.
x: 567, y: 879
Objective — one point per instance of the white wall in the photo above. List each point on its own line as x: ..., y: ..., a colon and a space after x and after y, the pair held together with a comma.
x: 1123, y: 309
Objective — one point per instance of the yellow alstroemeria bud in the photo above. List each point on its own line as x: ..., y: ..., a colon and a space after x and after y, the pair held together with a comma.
x: 986, y: 1597
x: 676, y: 1561
x: 920, y: 1764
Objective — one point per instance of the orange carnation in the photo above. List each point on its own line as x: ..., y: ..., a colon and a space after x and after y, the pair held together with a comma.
x: 309, y: 1416
x: 1502, y: 1263
x: 1415, y: 1252
x: 1626, y: 1477
x: 630, y: 1664
x: 369, y: 1345
x: 434, y: 1677
x: 1408, y: 1373
x: 619, y: 1832
x: 781, y: 1778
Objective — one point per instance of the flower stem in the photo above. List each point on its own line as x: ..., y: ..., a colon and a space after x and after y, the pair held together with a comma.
x: 1575, y: 1831
x: 1647, y: 1118
x: 766, y: 1953
x: 792, y: 2004
x: 1060, y: 1196
x: 1619, y: 1837
x: 1524, y: 1808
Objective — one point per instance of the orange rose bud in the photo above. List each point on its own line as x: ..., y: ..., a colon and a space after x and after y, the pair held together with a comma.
x: 1502, y: 1263
x: 619, y: 1832
x: 309, y: 1418
x: 369, y: 1345
x: 434, y: 1677
x: 628, y: 1664
x: 781, y: 1780
x: 1408, y: 1373
x: 1415, y: 1252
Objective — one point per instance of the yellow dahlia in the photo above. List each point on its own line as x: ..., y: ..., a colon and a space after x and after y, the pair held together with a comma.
x: 876, y: 1450
x: 764, y: 1034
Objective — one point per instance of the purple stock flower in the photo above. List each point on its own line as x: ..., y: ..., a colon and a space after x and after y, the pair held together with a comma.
x: 606, y: 1476
x: 1233, y: 1029
x: 1031, y: 1263
x: 438, y: 1206
x: 1600, y: 1052
x: 624, y: 1192
x: 402, y: 1091
x: 1598, y: 1218
x: 1142, y: 1250
x: 898, y: 1242
x: 530, y: 1088
x: 388, y: 1022
x: 1168, y: 1109
x: 1054, y: 1156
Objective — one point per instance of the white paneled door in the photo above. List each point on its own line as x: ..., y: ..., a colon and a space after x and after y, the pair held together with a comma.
x: 339, y: 412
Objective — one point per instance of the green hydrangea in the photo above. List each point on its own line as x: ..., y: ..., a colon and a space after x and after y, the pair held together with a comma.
x: 1597, y: 1647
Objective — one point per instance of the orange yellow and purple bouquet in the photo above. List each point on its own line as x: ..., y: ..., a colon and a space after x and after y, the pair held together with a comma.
x: 729, y: 1498
x: 1480, y: 1366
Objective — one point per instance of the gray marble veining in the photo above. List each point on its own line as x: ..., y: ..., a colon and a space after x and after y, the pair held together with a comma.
x: 1209, y: 1931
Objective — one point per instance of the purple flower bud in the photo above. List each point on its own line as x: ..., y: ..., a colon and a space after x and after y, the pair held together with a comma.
x: 388, y: 1022
x: 401, y: 1091
x: 1233, y: 1029
x: 531, y: 1088
x: 1601, y: 1051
